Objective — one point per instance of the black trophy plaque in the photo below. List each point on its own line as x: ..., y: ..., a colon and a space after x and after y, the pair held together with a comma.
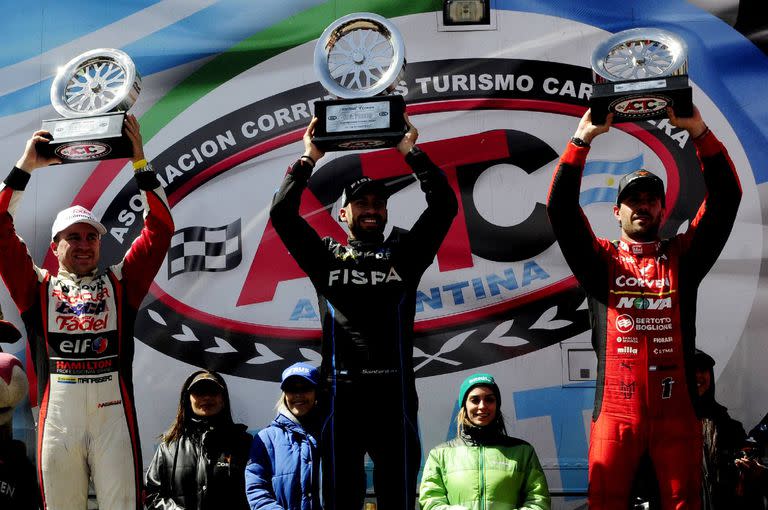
x: 359, y: 59
x: 349, y: 124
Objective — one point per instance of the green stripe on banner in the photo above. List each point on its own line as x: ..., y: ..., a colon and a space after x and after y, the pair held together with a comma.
x: 276, y: 39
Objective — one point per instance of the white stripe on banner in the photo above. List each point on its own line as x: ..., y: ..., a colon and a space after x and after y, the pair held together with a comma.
x: 115, y: 35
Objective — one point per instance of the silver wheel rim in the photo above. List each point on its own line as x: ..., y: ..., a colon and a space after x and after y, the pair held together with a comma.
x: 360, y: 55
x: 638, y: 54
x: 98, y: 81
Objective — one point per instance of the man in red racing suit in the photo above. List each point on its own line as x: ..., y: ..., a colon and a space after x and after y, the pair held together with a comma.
x: 79, y: 326
x: 642, y: 300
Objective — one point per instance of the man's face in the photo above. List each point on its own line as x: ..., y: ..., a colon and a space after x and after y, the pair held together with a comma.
x: 639, y: 215
x: 366, y: 216
x: 78, y: 248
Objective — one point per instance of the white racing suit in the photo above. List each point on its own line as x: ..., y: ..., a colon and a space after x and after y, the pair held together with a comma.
x: 80, y: 333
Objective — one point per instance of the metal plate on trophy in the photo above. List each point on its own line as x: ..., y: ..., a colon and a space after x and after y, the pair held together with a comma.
x: 360, y: 59
x: 638, y: 73
x: 92, y: 92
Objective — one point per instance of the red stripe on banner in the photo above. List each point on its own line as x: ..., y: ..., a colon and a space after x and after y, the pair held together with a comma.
x: 101, y: 177
x: 482, y: 313
x: 230, y: 324
x: 232, y: 161
x: 314, y: 334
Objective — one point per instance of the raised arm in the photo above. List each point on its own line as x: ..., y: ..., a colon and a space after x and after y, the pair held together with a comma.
x: 430, y: 229
x: 578, y: 243
x: 708, y: 232
x: 304, y: 244
x: 147, y: 252
x: 16, y: 266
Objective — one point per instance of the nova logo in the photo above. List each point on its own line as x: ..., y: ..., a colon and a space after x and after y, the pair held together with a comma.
x: 642, y: 303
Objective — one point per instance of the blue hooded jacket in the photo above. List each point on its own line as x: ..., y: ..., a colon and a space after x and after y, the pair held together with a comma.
x: 283, y: 472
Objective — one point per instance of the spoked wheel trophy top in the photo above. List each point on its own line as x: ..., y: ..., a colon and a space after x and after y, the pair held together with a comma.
x: 360, y: 59
x: 638, y: 73
x: 92, y: 92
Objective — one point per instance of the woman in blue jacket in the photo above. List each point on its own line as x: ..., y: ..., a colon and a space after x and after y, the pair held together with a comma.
x: 283, y: 472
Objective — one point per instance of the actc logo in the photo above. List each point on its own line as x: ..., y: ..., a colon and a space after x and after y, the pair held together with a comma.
x: 640, y: 107
x: 83, y: 151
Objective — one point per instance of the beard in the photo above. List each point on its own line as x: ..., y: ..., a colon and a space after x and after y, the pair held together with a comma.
x: 643, y: 233
x: 368, y: 233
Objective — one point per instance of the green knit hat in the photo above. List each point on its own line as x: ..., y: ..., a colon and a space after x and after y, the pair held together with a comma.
x: 478, y: 380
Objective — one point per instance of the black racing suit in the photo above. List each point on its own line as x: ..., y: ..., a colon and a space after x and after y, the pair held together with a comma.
x: 367, y: 295
x: 642, y: 302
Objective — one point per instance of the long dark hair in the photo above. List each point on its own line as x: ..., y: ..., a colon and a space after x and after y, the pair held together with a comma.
x: 184, y: 413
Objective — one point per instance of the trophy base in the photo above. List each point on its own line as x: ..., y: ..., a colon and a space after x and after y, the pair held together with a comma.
x: 92, y: 138
x: 356, y: 124
x: 635, y: 100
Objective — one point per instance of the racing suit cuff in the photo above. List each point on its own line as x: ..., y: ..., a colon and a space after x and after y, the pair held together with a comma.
x: 707, y: 144
x: 301, y: 170
x: 420, y: 163
x: 574, y: 156
x: 146, y: 180
x: 17, y: 179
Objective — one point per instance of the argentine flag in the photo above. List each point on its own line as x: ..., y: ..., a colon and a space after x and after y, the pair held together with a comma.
x: 600, y: 179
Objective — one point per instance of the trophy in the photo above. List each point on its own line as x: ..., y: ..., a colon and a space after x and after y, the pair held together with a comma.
x: 360, y: 59
x: 92, y: 92
x: 638, y: 73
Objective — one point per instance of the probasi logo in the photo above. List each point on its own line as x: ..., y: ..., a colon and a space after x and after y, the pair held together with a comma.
x: 497, y: 288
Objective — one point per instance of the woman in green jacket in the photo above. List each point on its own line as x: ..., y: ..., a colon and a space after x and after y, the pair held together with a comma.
x: 483, y: 468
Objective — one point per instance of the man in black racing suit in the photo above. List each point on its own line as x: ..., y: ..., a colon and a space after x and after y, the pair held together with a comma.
x: 366, y: 294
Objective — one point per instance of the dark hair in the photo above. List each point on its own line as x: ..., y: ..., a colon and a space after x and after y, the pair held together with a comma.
x: 462, y: 420
x: 184, y: 413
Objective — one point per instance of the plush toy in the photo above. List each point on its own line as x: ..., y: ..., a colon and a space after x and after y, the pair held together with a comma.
x: 18, y: 483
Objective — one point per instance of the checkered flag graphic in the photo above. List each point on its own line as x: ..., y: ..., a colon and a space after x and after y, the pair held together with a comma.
x: 205, y: 249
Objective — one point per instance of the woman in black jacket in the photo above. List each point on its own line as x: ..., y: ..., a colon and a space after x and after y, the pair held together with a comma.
x: 200, y: 462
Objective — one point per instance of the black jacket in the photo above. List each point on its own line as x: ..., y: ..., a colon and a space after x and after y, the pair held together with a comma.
x: 203, y: 470
x: 18, y: 481
x: 367, y: 290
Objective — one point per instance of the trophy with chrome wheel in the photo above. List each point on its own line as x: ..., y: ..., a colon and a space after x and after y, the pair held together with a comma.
x: 360, y: 59
x: 638, y: 73
x: 92, y: 92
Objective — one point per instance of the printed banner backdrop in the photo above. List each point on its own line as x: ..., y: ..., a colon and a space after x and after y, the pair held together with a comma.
x: 228, y: 88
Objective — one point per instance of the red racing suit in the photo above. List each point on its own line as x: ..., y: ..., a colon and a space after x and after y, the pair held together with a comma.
x: 80, y: 333
x: 642, y: 303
